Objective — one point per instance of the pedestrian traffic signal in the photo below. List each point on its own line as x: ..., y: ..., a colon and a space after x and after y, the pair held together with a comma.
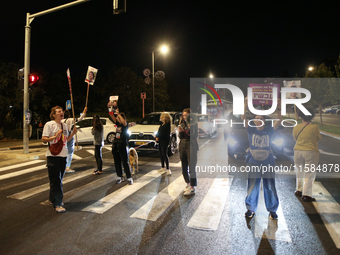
x: 33, y: 78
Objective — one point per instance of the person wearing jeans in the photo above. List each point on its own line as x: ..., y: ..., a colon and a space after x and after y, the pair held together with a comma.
x: 55, y: 130
x: 258, y: 156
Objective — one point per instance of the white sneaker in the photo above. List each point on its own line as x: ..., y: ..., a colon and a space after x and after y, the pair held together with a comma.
x: 162, y: 170
x: 130, y: 181
x: 186, y: 188
x: 118, y: 180
x: 60, y: 209
x: 168, y: 172
x: 190, y: 192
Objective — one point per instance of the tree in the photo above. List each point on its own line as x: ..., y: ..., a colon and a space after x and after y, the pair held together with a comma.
x: 320, y: 89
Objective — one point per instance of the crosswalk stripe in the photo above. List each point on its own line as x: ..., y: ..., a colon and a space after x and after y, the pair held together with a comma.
x: 90, y: 151
x: 20, y: 165
x: 119, y: 195
x: 268, y: 228
x: 82, y: 190
x: 17, y: 173
x: 329, y: 211
x: 41, y: 188
x: 208, y: 214
x: 76, y: 156
x: 157, y: 205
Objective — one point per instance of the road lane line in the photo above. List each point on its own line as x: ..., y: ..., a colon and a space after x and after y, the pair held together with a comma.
x: 157, y: 205
x: 208, y: 214
x: 268, y: 228
x: 109, y: 201
x: 329, y: 211
x: 26, y: 171
x: 76, y: 156
x: 90, y: 151
x: 82, y: 190
x: 41, y: 188
x: 20, y: 165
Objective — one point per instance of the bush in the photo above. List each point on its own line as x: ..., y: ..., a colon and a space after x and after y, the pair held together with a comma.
x: 13, y: 134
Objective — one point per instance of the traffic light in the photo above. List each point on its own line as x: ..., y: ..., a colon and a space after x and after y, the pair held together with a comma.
x: 33, y: 78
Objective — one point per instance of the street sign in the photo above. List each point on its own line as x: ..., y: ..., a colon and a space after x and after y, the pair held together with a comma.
x: 147, y: 80
x: 143, y: 95
x: 68, y: 105
x: 146, y: 72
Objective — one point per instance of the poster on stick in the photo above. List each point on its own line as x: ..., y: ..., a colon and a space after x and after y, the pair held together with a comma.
x: 292, y: 84
x: 263, y: 93
x: 91, y: 75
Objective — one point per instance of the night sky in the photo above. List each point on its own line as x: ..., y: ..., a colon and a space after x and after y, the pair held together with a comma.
x: 228, y: 38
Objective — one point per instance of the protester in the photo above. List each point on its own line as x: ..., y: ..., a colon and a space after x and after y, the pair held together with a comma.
x: 54, y: 131
x: 259, y: 155
x: 119, y: 149
x: 306, y: 153
x: 70, y: 145
x: 163, y: 139
x: 188, y: 148
x: 98, y: 133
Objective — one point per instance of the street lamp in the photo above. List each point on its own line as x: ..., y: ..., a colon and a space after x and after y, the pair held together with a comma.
x: 163, y: 49
x: 310, y: 68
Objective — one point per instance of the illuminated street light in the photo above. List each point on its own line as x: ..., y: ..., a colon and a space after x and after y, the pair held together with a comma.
x: 310, y: 68
x: 164, y: 49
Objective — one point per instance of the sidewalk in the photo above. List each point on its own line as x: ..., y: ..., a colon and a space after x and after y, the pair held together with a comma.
x: 13, y: 149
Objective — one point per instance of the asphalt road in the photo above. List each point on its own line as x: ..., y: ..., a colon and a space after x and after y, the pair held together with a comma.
x: 153, y: 217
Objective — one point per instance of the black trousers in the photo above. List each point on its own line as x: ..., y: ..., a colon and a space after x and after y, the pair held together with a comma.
x: 189, y: 161
x: 98, y: 156
x: 56, y: 170
x: 163, y: 153
x: 120, y: 157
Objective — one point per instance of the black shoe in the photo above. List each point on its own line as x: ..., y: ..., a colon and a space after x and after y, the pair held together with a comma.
x: 308, y: 199
x: 298, y: 193
x: 249, y: 214
x: 273, y: 215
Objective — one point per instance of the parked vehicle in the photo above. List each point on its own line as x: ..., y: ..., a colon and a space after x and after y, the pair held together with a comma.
x: 142, y: 136
x: 237, y: 137
x: 333, y: 109
x: 205, y: 124
x: 84, y: 127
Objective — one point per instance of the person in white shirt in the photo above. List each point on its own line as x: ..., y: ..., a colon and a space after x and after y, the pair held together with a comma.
x: 55, y: 130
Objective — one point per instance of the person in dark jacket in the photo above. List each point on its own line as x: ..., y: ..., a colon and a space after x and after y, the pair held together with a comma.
x: 98, y: 133
x: 188, y: 148
x: 163, y: 139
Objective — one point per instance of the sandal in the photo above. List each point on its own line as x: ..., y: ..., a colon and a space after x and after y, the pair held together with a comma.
x: 97, y: 172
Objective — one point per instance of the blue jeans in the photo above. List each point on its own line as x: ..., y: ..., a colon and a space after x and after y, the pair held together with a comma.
x: 70, y: 150
x: 253, y: 192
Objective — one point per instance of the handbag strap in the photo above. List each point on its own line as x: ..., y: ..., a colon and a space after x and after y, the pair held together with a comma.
x: 301, y: 131
x: 61, y: 133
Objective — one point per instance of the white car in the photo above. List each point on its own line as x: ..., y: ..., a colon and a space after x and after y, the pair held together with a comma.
x: 205, y: 125
x: 84, y: 127
x: 142, y: 136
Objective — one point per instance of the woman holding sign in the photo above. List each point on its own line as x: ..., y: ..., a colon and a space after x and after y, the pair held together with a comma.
x: 119, y: 144
x: 259, y: 159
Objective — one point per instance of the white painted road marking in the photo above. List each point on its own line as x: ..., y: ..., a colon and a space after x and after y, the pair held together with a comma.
x: 157, y: 205
x: 20, y: 165
x: 329, y: 211
x: 268, y: 228
x: 119, y: 195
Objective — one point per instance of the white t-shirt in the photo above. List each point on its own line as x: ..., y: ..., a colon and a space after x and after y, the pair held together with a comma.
x: 50, y: 129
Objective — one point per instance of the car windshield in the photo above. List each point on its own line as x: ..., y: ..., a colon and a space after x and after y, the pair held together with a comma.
x: 151, y: 119
x: 203, y: 118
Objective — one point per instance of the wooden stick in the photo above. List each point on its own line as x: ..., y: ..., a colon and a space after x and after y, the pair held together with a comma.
x: 74, y: 118
x: 87, y: 94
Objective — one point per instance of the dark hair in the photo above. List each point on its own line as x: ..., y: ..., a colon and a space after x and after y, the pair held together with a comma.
x: 92, y: 74
x: 53, y: 110
x: 306, y: 117
x: 67, y: 114
x: 97, y: 124
x: 187, y: 110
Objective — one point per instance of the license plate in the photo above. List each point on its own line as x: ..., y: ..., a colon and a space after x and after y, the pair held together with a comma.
x: 140, y: 143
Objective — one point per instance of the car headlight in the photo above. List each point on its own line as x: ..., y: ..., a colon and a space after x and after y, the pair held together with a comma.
x: 278, y: 142
x: 155, y: 133
x: 231, y: 141
x: 129, y: 132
